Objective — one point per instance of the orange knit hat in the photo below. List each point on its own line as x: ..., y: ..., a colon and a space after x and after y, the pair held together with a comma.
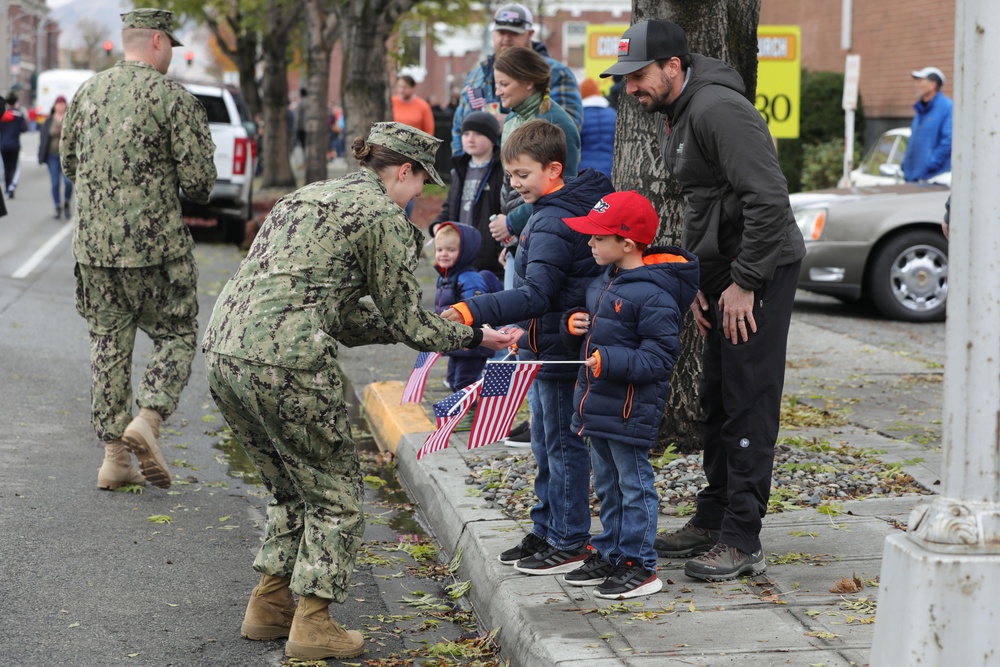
x: 589, y: 87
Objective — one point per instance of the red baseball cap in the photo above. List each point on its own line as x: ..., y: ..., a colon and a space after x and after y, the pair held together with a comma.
x: 627, y: 214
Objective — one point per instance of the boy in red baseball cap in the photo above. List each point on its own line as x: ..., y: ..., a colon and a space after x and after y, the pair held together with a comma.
x: 630, y: 337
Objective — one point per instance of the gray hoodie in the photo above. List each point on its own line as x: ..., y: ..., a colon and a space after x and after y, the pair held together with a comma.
x: 737, y: 219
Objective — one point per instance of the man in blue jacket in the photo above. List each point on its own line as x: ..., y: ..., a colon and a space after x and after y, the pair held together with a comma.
x: 928, y: 153
x: 512, y: 26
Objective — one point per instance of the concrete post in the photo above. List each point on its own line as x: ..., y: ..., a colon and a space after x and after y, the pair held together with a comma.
x: 939, y: 604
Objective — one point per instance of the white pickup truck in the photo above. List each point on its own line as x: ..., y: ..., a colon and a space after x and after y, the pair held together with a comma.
x: 234, y: 132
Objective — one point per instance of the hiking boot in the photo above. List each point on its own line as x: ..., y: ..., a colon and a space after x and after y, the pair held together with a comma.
x: 66, y: 210
x: 270, y: 610
x: 58, y: 212
x: 117, y: 468
x: 593, y: 571
x: 315, y: 636
x: 687, y: 541
x: 724, y: 562
x: 552, y: 560
x: 519, y: 436
x: 527, y: 547
x: 141, y: 437
x: 629, y: 580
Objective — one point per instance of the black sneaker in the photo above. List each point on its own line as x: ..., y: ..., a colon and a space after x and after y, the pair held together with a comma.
x: 687, y: 541
x: 629, y: 581
x: 724, y: 562
x: 552, y: 560
x: 528, y: 546
x: 519, y: 436
x: 593, y: 571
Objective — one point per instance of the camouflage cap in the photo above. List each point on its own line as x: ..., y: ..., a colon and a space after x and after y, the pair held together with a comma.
x: 409, y: 141
x: 151, y: 19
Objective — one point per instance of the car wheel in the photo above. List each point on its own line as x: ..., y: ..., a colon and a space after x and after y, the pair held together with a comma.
x: 234, y: 230
x: 909, y: 277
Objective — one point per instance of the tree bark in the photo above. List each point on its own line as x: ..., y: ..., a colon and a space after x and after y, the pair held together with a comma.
x: 277, y: 137
x: 723, y: 29
x: 323, y: 29
x: 365, y: 86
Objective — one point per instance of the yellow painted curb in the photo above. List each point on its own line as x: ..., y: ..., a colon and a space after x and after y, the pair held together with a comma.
x: 390, y: 421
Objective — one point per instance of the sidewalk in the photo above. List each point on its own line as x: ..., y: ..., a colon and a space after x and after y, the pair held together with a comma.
x: 788, y: 616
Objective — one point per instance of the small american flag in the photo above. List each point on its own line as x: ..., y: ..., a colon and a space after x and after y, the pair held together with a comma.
x: 476, y: 99
x: 448, y: 412
x: 504, y: 387
x: 413, y: 392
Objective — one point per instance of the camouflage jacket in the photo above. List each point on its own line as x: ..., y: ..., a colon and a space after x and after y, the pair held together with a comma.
x: 303, y: 286
x: 131, y: 138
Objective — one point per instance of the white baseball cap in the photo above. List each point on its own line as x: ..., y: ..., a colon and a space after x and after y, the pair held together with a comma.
x: 932, y: 73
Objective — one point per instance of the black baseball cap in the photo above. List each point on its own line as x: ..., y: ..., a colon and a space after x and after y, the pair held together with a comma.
x: 647, y: 42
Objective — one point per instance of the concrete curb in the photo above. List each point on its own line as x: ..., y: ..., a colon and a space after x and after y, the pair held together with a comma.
x: 532, y: 631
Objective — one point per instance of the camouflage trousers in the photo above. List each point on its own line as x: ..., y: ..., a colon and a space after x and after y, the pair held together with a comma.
x: 293, y: 425
x: 160, y: 300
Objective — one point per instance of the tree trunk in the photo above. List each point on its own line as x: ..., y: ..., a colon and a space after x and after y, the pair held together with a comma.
x: 247, y: 67
x: 365, y: 86
x: 277, y: 137
x: 723, y: 29
x: 323, y: 31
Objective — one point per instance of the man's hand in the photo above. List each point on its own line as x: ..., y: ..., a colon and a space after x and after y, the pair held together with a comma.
x: 700, y: 309
x: 736, y: 305
x: 591, y: 362
x: 500, y: 340
x: 498, y: 227
x: 453, y: 315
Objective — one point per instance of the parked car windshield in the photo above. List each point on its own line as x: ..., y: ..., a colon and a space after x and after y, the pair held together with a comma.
x: 216, y: 108
x: 889, y: 149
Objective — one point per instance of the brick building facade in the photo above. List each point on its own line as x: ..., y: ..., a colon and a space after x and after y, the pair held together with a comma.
x: 893, y: 38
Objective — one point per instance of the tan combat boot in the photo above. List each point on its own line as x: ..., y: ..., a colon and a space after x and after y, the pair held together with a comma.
x: 117, y: 467
x: 141, y: 437
x: 315, y: 635
x: 270, y: 610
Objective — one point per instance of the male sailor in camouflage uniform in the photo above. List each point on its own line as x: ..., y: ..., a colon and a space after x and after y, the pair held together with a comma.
x: 333, y: 263
x: 131, y: 138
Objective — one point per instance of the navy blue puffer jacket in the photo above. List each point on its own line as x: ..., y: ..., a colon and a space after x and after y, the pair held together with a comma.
x: 553, y: 268
x: 635, y: 327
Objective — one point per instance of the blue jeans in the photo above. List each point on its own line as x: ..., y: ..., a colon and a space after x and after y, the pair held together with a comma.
x: 562, y: 484
x: 58, y: 178
x: 623, y: 482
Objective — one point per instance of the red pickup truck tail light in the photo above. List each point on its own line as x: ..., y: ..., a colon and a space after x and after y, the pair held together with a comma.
x: 241, y: 156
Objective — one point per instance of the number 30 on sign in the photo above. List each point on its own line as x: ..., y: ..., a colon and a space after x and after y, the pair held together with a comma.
x: 779, y: 67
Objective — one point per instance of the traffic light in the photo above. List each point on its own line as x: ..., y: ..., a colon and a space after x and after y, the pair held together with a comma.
x: 189, y: 57
x: 107, y: 47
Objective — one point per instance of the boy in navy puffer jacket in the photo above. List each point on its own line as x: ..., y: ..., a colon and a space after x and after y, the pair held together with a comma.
x: 631, y: 338
x: 456, y: 248
x: 553, y: 267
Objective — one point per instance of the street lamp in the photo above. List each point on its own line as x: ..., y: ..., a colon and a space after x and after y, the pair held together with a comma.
x: 108, y: 46
x: 189, y: 57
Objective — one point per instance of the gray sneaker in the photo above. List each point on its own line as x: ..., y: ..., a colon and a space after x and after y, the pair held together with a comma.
x: 724, y: 562
x: 687, y: 541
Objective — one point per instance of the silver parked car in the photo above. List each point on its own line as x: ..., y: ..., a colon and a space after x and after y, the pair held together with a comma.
x: 884, y: 243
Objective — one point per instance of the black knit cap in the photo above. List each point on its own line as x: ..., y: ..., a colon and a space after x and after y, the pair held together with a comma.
x: 485, y: 124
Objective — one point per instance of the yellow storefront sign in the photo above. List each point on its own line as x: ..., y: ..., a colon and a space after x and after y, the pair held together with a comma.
x: 779, y: 68
x: 602, y: 52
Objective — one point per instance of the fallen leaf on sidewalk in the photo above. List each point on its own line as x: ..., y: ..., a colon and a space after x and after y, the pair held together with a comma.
x: 776, y: 599
x: 821, y: 634
x: 847, y: 586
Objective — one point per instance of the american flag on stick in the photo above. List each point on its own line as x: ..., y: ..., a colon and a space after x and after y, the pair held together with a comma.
x: 413, y: 392
x: 476, y: 100
x: 504, y: 388
x: 448, y: 412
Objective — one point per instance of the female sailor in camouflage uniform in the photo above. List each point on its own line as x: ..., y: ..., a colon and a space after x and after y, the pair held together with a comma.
x: 271, y: 348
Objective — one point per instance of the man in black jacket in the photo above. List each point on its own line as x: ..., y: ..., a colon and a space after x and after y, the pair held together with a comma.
x: 739, y: 223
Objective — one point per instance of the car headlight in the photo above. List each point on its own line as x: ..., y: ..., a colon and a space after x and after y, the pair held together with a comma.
x: 810, y: 222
